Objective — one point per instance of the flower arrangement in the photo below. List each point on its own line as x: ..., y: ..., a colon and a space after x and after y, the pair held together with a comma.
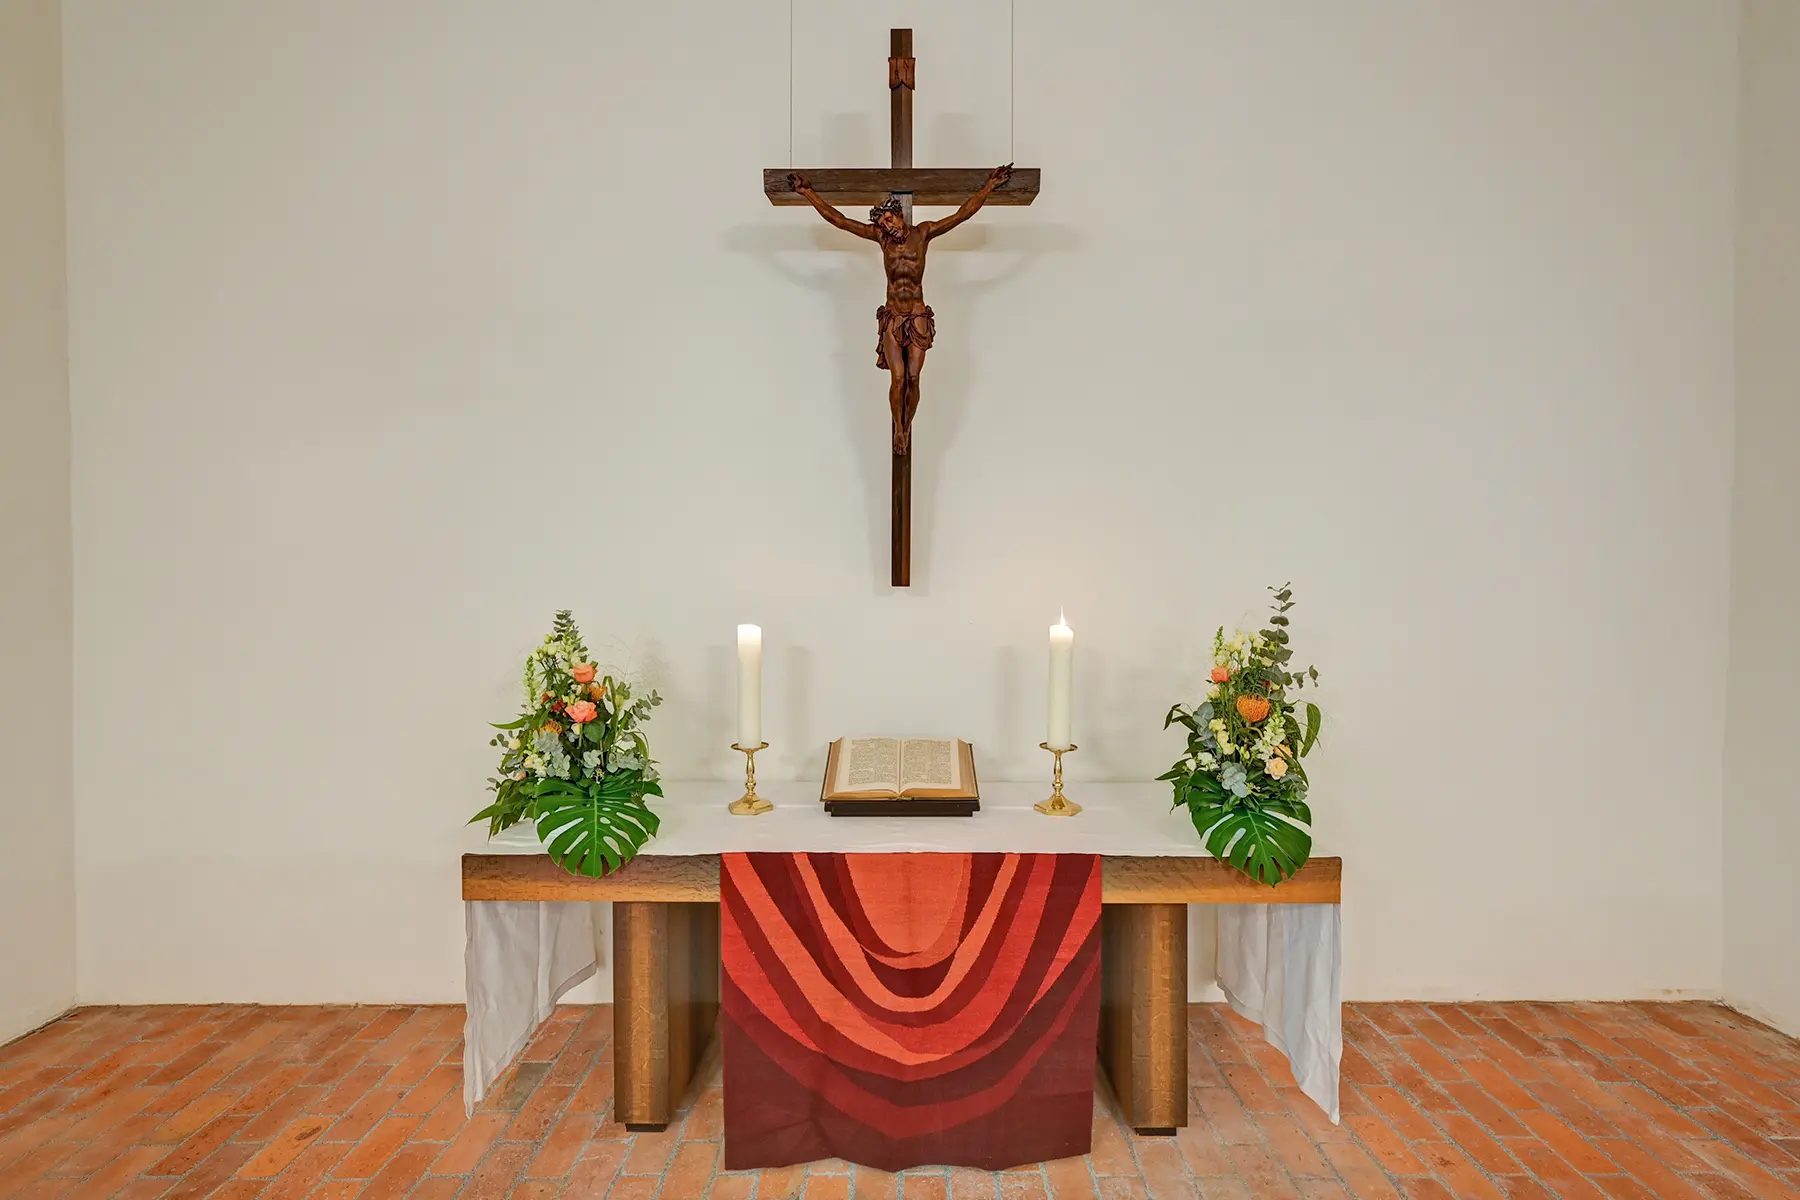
x: 576, y: 762
x: 1241, y: 778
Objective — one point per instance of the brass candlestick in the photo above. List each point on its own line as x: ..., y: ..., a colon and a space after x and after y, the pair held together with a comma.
x: 749, y: 804
x: 1058, y: 805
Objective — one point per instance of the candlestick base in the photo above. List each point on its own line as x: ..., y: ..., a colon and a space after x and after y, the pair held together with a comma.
x: 749, y: 804
x: 1058, y: 805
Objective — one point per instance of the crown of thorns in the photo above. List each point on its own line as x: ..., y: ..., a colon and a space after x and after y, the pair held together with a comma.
x: 891, y: 204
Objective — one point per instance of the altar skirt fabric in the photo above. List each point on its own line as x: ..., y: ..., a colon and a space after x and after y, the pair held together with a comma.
x: 897, y: 1010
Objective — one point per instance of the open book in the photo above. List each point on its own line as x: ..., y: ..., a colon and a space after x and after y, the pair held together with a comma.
x: 899, y: 769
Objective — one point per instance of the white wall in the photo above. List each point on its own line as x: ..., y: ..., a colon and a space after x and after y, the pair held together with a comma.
x: 1762, y: 818
x: 37, y: 884
x: 397, y: 326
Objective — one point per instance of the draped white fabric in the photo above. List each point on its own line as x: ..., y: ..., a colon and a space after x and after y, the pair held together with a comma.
x: 1279, y: 964
x: 520, y: 957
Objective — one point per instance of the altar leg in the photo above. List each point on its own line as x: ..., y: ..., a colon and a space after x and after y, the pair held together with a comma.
x: 665, y: 1004
x: 1143, y: 1012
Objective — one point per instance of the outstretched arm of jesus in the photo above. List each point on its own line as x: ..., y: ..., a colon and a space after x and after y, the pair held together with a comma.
x: 861, y: 229
x: 971, y: 206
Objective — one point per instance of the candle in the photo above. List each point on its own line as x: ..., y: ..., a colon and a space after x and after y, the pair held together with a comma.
x: 749, y: 713
x: 1062, y: 666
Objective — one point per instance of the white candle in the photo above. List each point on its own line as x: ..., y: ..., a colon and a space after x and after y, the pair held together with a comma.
x: 1062, y: 668
x: 749, y: 715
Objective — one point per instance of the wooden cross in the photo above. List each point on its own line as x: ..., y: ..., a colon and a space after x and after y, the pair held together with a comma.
x: 906, y: 325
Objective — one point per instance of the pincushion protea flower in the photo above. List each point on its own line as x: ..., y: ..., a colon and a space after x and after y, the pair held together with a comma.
x: 1253, y: 708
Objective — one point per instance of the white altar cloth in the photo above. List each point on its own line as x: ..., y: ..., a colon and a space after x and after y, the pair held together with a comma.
x: 1278, y: 964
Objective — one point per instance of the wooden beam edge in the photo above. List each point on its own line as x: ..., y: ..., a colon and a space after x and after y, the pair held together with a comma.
x: 934, y: 187
x: 695, y: 879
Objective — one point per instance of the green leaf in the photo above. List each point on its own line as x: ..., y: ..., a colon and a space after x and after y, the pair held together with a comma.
x: 1255, y: 840
x: 521, y: 723
x: 595, y: 829
x: 1313, y: 720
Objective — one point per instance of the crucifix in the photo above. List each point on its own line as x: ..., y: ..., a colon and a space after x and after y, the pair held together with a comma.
x: 905, y: 327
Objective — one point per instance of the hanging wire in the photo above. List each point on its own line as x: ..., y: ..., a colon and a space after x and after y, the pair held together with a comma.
x: 1012, y: 79
x: 790, y: 84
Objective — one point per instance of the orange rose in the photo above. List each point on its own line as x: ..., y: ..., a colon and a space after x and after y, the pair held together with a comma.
x: 1252, y: 708
x: 582, y: 672
x: 582, y: 711
x: 1221, y: 674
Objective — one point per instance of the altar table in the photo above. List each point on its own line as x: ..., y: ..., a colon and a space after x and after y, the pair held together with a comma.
x: 1279, y: 949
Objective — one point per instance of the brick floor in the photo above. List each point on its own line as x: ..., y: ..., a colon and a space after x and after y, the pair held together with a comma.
x: 1487, y: 1100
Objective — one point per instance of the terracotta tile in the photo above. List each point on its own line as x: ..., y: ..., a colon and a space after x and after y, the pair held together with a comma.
x: 445, y: 1121
x: 185, y: 1064
x: 401, y: 1172
x: 819, y: 1187
x: 1456, y: 1169
x: 780, y: 1183
x: 916, y: 1186
x: 1296, y: 1152
x: 967, y: 1183
x: 186, y: 1156
x: 1252, y: 1090
x: 273, y: 1119
x: 1226, y: 1115
x: 1743, y: 1139
x: 461, y: 1156
x: 306, y: 1171
x: 1033, y: 1187
x: 707, y: 1120
x: 1225, y: 1188
x: 1480, y: 1145
x: 1384, y: 1145
x: 1069, y: 1179
x: 651, y: 1152
x: 1259, y: 1168
x: 116, y: 1175
x: 212, y: 1173
x: 1165, y: 1176
x: 363, y: 1116
x: 732, y: 1187
x: 1359, y: 1171
x: 1648, y: 1170
x: 691, y: 1169
x: 596, y: 1169
x: 372, y: 1153
x: 284, y: 1148
x: 1762, y: 1182
x: 1115, y: 1187
x: 1398, y: 1107
x: 539, y: 1113
x: 341, y: 1096
x: 1199, y: 1146
x: 498, y: 1172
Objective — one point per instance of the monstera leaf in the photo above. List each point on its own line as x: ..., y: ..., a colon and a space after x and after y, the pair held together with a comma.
x: 1257, y: 835
x: 595, y: 827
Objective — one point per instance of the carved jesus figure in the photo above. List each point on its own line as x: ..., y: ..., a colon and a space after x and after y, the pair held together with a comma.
x: 905, y: 325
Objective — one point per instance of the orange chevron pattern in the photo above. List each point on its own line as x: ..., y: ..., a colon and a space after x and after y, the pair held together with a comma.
x: 896, y: 1010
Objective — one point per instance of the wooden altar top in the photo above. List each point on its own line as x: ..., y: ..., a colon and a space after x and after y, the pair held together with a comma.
x: 1149, y: 854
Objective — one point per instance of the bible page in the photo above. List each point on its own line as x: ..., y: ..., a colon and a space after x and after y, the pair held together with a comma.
x: 869, y: 765
x: 929, y: 764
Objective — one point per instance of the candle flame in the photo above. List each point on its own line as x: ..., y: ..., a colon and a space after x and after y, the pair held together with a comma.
x: 1061, y: 619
